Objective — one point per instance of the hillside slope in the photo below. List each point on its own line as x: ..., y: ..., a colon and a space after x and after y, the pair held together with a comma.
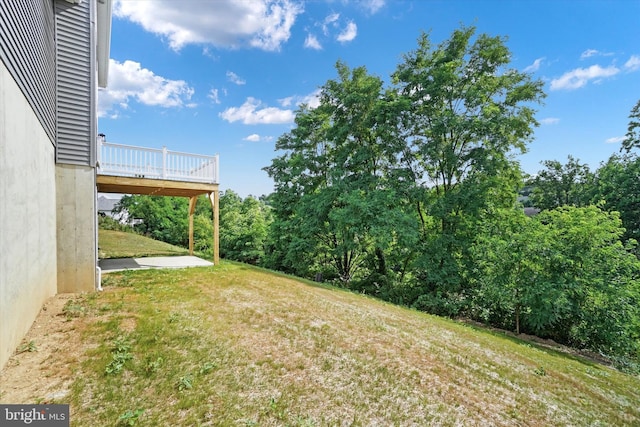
x: 120, y: 244
x: 235, y: 345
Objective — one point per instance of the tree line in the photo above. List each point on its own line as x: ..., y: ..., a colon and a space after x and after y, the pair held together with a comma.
x: 244, y: 223
x: 409, y: 192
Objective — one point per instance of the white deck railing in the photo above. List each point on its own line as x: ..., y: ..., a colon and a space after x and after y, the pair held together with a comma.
x: 140, y: 162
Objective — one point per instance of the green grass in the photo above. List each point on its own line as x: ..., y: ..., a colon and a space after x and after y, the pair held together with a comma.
x: 233, y: 345
x: 119, y: 244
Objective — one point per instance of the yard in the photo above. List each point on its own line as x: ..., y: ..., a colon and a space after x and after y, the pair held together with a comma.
x: 236, y: 345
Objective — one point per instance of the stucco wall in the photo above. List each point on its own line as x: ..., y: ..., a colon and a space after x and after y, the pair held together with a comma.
x: 76, y: 224
x: 28, y: 262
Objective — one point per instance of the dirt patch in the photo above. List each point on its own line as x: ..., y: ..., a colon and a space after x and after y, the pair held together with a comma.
x: 39, y: 371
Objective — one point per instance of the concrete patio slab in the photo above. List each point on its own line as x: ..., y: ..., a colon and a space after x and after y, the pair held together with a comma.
x: 119, y: 264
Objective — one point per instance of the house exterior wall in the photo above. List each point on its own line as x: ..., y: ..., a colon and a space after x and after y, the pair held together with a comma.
x: 27, y: 49
x: 75, y: 148
x: 48, y: 237
x: 76, y: 228
x: 28, y: 261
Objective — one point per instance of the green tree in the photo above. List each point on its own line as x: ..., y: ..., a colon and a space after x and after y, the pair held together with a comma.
x: 203, y: 234
x: 617, y: 183
x: 598, y: 276
x: 560, y: 185
x: 512, y: 284
x: 465, y: 112
x: 564, y: 274
x: 334, y: 199
x: 163, y: 218
x: 632, y: 138
x: 243, y: 227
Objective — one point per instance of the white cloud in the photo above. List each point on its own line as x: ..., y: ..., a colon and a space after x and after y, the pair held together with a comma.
x: 207, y: 51
x: 550, y: 121
x: 588, y: 53
x: 312, y: 42
x: 234, y: 78
x: 330, y: 20
x: 579, y: 77
x: 250, y: 113
x: 535, y: 66
x: 338, y: 28
x: 349, y: 33
x: 312, y: 100
x: 264, y: 24
x: 128, y: 80
x: 633, y: 64
x: 593, y: 52
x: 373, y: 5
x: 213, y: 95
x: 615, y: 140
x: 254, y: 137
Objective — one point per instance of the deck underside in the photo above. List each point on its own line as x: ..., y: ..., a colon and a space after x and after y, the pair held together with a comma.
x: 162, y: 187
x: 154, y: 187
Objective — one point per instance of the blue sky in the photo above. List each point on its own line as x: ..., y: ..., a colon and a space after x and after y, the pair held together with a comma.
x: 226, y: 76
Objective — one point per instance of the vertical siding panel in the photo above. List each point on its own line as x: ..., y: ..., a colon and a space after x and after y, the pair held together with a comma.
x: 74, y: 52
x: 27, y: 49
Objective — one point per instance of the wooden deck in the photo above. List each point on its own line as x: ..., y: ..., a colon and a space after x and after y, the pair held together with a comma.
x: 138, y: 170
x: 152, y: 187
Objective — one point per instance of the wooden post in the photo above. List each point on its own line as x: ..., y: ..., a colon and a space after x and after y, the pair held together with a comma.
x: 215, y: 202
x: 192, y: 209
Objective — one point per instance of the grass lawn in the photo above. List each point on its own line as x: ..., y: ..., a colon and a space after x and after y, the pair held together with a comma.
x: 233, y: 345
x: 118, y: 244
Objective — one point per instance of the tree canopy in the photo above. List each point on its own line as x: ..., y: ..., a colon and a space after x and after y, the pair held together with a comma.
x: 408, y: 191
x: 381, y: 185
x: 563, y: 184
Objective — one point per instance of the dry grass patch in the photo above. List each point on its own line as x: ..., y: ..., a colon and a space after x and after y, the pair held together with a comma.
x: 42, y: 368
x: 234, y: 345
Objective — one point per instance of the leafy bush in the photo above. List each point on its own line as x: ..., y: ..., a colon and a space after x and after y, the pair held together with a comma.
x: 563, y: 275
x: 107, y: 223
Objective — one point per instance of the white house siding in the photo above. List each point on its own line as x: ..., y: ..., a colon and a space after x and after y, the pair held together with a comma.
x: 28, y: 261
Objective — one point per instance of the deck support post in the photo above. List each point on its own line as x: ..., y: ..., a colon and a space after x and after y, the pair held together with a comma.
x: 214, y: 198
x: 192, y: 209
